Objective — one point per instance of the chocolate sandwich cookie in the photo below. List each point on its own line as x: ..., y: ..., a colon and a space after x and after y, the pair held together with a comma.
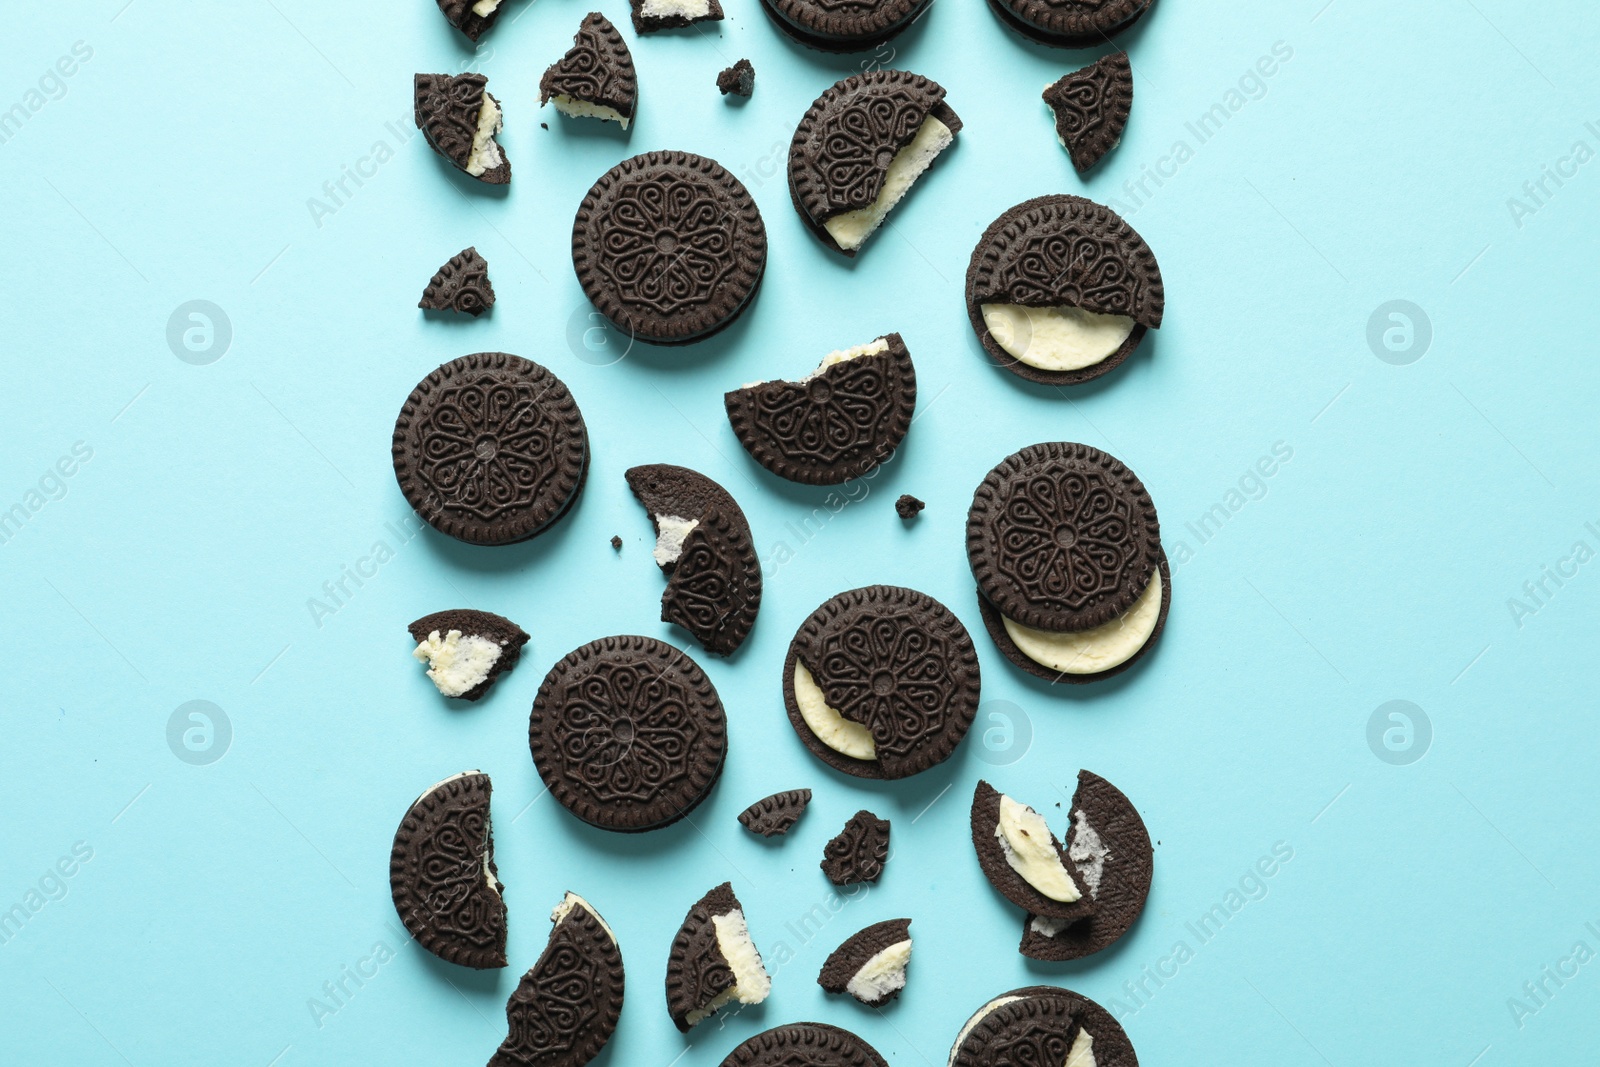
x: 737, y: 80
x: 871, y: 964
x: 713, y: 961
x: 1109, y: 847
x: 1042, y: 1025
x: 472, y: 17
x: 595, y: 79
x: 462, y: 285
x: 1061, y: 290
x: 881, y: 682
x: 1066, y: 549
x: 466, y: 650
x: 837, y: 423
x: 490, y: 449
x: 804, y: 1045
x: 460, y: 119
x: 669, y: 247
x: 859, y: 852
x: 442, y: 874
x: 650, y: 16
x: 628, y: 733
x: 1091, y: 108
x: 849, y: 26
x: 776, y: 815
x: 566, y: 1007
x: 1023, y: 860
x: 861, y: 147
x: 703, y: 545
x: 1070, y: 23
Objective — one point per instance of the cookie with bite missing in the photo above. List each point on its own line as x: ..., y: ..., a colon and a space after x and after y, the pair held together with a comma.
x: 442, y: 876
x: 466, y: 650
x: 871, y: 964
x: 713, y: 962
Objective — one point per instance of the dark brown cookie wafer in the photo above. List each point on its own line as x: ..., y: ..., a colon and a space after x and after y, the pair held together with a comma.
x: 737, y: 80
x: 804, y: 1045
x: 1042, y: 1025
x: 908, y: 507
x: 844, y: 25
x: 597, y: 70
x: 469, y: 623
x: 836, y: 424
x: 463, y: 15
x: 1108, y: 843
x: 1091, y: 107
x: 1064, y: 251
x: 701, y: 978
x: 669, y: 247
x: 442, y: 874
x: 843, y: 147
x: 894, y: 661
x: 462, y: 284
x: 1070, y: 23
x: 775, y: 815
x: 650, y: 18
x: 490, y: 449
x: 713, y: 573
x: 1007, y: 881
x: 628, y: 733
x: 859, y: 852
x: 842, y: 972
x: 450, y: 111
x: 566, y: 1007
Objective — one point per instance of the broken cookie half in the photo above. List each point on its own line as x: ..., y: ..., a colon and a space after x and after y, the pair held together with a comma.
x: 442, y: 875
x: 713, y: 962
x: 871, y: 964
x: 466, y: 650
x: 460, y: 119
x: 462, y: 285
x: 595, y: 79
x: 703, y: 545
x: 1091, y: 108
x: 1023, y: 860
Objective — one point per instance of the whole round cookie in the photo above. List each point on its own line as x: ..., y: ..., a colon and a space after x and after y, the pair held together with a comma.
x: 490, y: 449
x: 1070, y: 23
x: 804, y: 1043
x: 1042, y: 1025
x: 844, y: 25
x: 669, y: 247
x: 1061, y: 290
x: 628, y: 733
x: 1062, y: 537
x: 881, y: 682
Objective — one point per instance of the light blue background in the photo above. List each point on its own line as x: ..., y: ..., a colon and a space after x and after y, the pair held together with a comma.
x: 1375, y: 164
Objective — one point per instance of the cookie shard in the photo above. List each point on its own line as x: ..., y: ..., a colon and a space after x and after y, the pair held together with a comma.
x: 1042, y: 1025
x: 466, y: 650
x: 442, y: 876
x: 704, y: 546
x: 652, y: 16
x: 859, y: 852
x: 839, y: 422
x: 908, y: 507
x: 595, y: 79
x: 805, y: 1044
x: 860, y: 148
x: 460, y: 118
x: 737, y: 80
x: 776, y: 815
x: 713, y: 961
x: 1091, y: 108
x: 1023, y: 860
x: 871, y: 964
x: 472, y: 17
x: 566, y: 1006
x: 461, y: 284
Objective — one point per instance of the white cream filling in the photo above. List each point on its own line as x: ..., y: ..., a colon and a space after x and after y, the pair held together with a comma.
x: 485, y: 8
x: 1031, y: 851
x: 1043, y: 924
x: 1094, y: 650
x: 689, y: 9
x: 881, y: 975
x: 1087, y: 852
x: 1056, y: 338
x: 871, y: 348
x: 832, y: 729
x: 671, y: 532
x: 978, y: 1017
x: 1081, y: 1054
x: 457, y: 663
x: 583, y: 109
x: 485, y: 154
x: 573, y: 900
x: 851, y: 230
x: 751, y: 983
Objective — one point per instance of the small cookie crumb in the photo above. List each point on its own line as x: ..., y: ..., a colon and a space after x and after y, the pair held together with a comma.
x: 908, y: 506
x: 739, y: 79
x: 616, y: 542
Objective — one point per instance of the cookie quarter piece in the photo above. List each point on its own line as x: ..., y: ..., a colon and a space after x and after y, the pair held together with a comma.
x: 669, y: 247
x: 459, y: 119
x: 466, y: 650
x: 1023, y: 860
x: 1070, y: 23
x: 651, y: 16
x: 595, y: 79
x: 871, y: 964
x: 859, y: 852
x: 837, y: 423
x: 628, y: 733
x: 1042, y: 1025
x: 472, y: 17
x: 861, y: 147
x: 490, y: 449
x: 713, y: 961
x: 849, y: 26
x: 703, y: 545
x: 1061, y: 290
x: 566, y: 1007
x: 461, y: 284
x: 805, y: 1045
x: 776, y: 815
x: 442, y: 874
x: 1091, y: 108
